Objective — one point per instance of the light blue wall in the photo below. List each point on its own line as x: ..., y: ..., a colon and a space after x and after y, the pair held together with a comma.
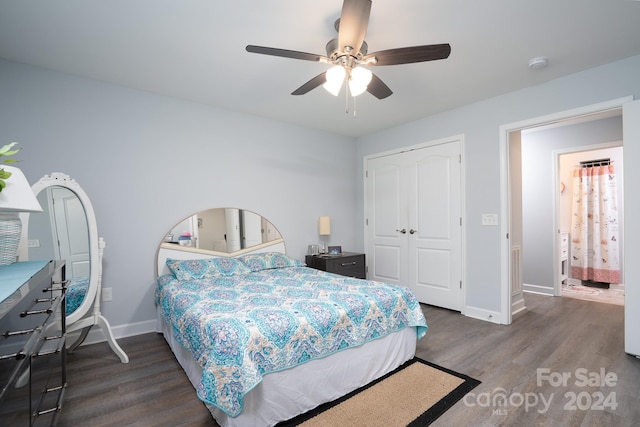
x: 480, y: 123
x: 148, y: 161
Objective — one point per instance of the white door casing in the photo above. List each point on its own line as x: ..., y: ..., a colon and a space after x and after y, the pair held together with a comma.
x: 232, y: 221
x: 414, y: 235
x: 631, y: 270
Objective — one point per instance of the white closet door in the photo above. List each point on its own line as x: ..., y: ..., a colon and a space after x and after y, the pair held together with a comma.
x: 387, y: 217
x: 435, y: 247
x: 414, y: 232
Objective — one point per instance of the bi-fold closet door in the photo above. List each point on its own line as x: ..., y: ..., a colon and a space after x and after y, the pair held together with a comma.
x: 414, y: 222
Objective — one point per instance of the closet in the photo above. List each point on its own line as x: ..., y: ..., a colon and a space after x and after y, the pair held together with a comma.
x: 414, y: 222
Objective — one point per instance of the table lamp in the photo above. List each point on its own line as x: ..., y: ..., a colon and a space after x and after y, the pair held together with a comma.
x: 16, y: 197
x: 324, y: 229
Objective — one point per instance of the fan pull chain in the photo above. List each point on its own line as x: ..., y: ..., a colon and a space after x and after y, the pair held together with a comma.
x: 346, y: 101
x: 355, y: 113
x: 346, y: 97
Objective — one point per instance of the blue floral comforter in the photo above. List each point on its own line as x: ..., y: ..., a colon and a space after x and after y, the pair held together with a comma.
x: 240, y: 328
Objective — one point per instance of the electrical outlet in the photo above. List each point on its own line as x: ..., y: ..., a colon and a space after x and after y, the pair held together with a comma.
x: 33, y: 243
x: 489, y: 219
x: 107, y: 294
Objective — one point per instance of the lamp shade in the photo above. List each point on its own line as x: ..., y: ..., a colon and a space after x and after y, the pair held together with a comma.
x: 324, y: 225
x: 18, y: 196
x: 359, y: 80
x: 335, y: 77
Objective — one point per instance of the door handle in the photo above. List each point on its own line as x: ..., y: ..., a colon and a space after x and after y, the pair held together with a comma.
x: 412, y: 231
x: 403, y: 231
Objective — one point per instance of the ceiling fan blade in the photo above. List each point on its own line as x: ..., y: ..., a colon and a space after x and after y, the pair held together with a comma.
x: 377, y: 88
x: 408, y: 55
x: 311, y: 84
x: 273, y: 51
x: 354, y: 20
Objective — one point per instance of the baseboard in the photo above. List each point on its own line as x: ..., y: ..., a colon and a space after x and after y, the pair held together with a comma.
x: 518, y: 306
x: 482, y: 314
x: 121, y: 331
x: 538, y: 289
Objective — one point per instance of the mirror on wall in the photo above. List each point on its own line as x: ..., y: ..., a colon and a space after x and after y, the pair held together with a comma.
x: 222, y: 230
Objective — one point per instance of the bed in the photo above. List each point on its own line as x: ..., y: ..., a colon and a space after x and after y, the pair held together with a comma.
x: 264, y: 338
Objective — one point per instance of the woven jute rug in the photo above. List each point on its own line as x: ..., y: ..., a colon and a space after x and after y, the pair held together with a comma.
x: 415, y: 394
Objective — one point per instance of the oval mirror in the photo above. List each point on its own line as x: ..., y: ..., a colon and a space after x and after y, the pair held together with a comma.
x: 225, y: 232
x: 61, y: 232
x: 66, y: 229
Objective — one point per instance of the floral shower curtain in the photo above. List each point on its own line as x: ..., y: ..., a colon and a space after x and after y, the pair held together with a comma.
x: 594, y: 236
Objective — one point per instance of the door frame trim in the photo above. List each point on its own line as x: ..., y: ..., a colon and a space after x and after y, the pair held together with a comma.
x: 505, y: 200
x: 463, y: 239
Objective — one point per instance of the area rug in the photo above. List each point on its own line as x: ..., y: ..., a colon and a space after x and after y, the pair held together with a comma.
x: 413, y: 395
x: 575, y: 289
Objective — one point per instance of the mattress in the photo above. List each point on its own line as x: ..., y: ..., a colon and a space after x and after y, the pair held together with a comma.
x: 264, y: 338
x: 285, y: 394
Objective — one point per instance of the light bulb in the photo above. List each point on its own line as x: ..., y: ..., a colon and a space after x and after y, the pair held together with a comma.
x: 335, y: 77
x: 359, y: 80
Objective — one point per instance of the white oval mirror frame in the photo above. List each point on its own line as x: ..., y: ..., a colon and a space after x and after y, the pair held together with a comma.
x: 81, y: 318
x: 58, y: 179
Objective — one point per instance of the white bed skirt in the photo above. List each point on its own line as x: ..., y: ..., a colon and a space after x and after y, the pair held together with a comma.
x: 283, y: 395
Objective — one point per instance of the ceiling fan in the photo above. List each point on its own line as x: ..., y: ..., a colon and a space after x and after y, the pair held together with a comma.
x: 348, y: 53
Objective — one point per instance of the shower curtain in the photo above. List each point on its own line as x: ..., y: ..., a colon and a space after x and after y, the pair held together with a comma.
x: 594, y: 228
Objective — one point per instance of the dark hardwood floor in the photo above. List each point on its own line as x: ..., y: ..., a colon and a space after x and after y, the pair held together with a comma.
x: 558, y: 334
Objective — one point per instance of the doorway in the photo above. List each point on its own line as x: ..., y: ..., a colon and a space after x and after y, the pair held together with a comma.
x: 567, y: 160
x: 512, y: 212
x: 546, y: 210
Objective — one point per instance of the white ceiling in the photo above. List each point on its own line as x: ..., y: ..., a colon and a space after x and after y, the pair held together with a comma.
x: 195, y: 50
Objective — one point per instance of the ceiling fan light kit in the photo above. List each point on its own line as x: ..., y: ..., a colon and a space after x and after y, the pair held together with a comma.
x: 358, y: 80
x: 349, y: 54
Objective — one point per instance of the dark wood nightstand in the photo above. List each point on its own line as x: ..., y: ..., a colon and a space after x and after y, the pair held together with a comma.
x: 348, y: 264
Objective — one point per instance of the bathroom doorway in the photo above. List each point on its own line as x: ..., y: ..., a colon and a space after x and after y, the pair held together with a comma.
x: 542, y: 248
x: 567, y: 161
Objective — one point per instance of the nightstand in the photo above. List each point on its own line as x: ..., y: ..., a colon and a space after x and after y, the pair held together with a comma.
x: 348, y: 264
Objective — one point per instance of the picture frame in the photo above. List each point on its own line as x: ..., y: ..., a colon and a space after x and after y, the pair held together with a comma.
x: 335, y: 250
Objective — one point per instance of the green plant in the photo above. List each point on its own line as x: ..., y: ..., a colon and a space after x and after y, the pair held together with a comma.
x: 6, y: 151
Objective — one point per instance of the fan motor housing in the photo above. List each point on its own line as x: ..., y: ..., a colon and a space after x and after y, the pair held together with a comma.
x: 337, y: 56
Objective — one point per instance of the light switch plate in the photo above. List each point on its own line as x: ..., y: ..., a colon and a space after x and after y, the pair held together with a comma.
x: 489, y: 219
